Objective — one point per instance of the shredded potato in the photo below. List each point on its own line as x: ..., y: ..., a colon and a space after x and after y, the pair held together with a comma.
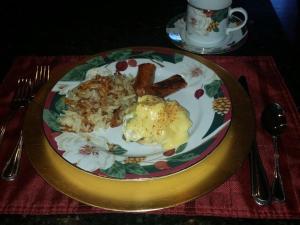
x: 98, y: 103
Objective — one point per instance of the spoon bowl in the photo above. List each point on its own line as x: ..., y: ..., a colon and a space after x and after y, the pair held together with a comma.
x: 274, y: 122
x: 274, y: 119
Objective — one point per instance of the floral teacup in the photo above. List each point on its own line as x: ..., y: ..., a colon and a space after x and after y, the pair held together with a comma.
x: 207, y: 21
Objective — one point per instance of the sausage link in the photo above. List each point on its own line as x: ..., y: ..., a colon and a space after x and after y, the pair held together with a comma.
x: 144, y: 78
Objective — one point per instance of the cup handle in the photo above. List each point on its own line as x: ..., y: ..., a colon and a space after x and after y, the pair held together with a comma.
x: 241, y: 10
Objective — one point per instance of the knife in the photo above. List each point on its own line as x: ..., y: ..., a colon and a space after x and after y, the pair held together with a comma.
x: 260, y: 189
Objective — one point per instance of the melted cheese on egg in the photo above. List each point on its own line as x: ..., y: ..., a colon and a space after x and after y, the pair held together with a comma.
x: 154, y: 120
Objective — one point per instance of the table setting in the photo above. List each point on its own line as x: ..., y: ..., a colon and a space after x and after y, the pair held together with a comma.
x: 66, y: 151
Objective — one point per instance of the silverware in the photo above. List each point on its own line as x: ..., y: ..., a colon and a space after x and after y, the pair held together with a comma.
x: 274, y: 121
x: 260, y: 189
x: 19, y: 101
x: 42, y: 75
x: 11, y: 169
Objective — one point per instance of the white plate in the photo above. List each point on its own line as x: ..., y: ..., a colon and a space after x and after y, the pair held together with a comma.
x: 209, y: 124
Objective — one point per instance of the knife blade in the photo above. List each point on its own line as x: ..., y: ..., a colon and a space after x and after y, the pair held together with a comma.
x: 260, y: 189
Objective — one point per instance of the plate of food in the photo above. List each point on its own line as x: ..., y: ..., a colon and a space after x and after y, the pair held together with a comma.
x: 137, y: 121
x: 137, y: 115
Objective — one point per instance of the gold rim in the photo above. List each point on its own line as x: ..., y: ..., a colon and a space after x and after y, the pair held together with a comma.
x: 143, y: 194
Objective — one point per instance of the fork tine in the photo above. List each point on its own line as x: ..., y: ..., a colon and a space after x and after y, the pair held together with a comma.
x: 46, y: 74
x: 37, y: 79
x: 36, y: 74
x: 42, y: 75
x: 47, y: 77
x: 17, y: 91
x: 18, y: 88
x: 23, y: 92
x: 27, y: 89
x: 21, y: 89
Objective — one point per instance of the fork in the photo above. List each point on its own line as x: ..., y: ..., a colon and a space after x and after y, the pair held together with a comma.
x: 19, y: 101
x: 10, y: 171
x: 42, y: 75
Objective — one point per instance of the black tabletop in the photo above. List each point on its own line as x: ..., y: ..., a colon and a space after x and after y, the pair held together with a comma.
x: 82, y: 27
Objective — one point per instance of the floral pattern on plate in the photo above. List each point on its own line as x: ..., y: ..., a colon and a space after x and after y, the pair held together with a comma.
x: 104, y: 152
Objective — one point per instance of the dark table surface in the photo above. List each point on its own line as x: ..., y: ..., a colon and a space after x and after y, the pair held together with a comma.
x: 78, y: 28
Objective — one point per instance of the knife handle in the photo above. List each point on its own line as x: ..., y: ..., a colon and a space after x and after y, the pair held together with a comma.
x: 260, y: 189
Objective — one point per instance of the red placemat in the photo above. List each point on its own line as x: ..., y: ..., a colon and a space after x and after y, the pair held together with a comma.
x: 30, y: 194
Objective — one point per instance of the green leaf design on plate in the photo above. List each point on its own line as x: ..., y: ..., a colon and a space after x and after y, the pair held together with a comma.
x: 135, y: 168
x: 220, y: 93
x: 178, y: 58
x: 118, y: 150
x: 117, y: 170
x: 181, y: 148
x: 60, y: 104
x: 120, y: 54
x: 220, y: 15
x: 96, y: 61
x: 51, y: 119
x: 78, y: 73
x: 173, y: 58
x: 145, y: 54
x: 217, y: 122
x: 157, y: 58
x: 212, y: 88
x: 183, y: 157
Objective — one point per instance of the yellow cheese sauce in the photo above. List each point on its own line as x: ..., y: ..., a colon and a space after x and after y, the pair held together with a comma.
x: 154, y: 120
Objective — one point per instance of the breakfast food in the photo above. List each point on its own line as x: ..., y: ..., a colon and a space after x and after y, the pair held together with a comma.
x: 143, y: 84
x: 98, y: 103
x: 153, y: 120
x: 101, y: 102
x: 144, y: 78
x: 166, y: 87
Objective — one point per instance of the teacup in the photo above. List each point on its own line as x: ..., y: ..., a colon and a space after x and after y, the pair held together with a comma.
x: 207, y: 21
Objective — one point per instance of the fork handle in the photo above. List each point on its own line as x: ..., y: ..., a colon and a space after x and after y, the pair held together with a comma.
x: 11, y: 169
x: 5, y: 123
x: 13, y: 113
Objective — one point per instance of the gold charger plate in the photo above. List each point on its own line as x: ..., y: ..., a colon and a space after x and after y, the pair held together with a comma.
x: 138, y: 195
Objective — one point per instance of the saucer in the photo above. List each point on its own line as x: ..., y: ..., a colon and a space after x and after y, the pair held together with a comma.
x: 176, y: 32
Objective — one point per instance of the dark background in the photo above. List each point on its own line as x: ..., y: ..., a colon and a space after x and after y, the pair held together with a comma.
x: 83, y: 27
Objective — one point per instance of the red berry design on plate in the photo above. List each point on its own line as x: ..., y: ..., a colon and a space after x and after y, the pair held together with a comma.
x: 169, y: 152
x: 199, y: 93
x: 121, y: 65
x: 161, y: 165
x: 132, y: 62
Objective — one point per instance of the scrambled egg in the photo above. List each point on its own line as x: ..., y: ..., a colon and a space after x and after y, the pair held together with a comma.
x: 154, y: 120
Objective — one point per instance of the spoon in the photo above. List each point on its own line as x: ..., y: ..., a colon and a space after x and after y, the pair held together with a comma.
x: 274, y: 121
